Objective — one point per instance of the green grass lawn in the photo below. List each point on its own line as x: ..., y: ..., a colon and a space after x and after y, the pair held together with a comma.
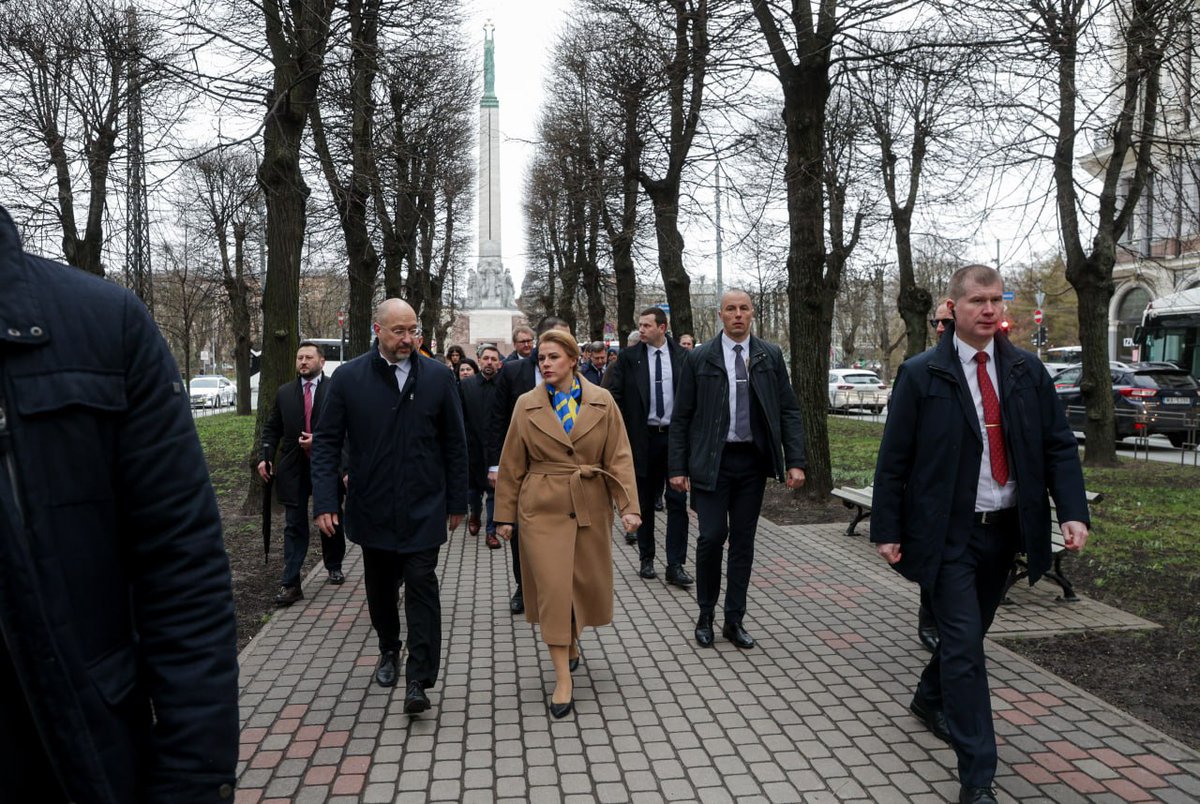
x: 226, y: 439
x: 1144, y: 551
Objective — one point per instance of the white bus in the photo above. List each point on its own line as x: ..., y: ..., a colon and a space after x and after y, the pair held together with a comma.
x: 1170, y: 331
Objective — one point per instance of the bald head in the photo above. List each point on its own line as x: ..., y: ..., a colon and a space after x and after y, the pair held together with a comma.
x: 397, y: 330
x: 737, y: 312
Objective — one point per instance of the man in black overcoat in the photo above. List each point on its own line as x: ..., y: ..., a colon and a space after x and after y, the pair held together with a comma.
x: 400, y: 418
x: 478, y: 394
x: 975, y: 437
x: 644, y: 382
x: 289, y: 430
x: 118, y: 645
x: 515, y: 378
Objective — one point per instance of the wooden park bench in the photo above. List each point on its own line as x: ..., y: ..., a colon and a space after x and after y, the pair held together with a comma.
x: 860, y: 499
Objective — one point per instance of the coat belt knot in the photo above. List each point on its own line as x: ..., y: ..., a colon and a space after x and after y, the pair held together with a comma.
x: 578, y: 473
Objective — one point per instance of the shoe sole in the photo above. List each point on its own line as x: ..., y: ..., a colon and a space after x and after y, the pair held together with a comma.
x: 385, y: 684
x: 927, y: 721
x: 416, y: 707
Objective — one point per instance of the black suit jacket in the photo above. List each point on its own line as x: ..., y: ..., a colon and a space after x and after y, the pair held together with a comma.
x: 293, y: 483
x: 628, y: 380
x: 515, y: 378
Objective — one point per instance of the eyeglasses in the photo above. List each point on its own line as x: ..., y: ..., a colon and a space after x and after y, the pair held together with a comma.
x: 945, y: 322
x: 523, y: 340
x: 412, y: 332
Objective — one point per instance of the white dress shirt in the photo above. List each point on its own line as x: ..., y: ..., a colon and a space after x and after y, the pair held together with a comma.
x: 989, y: 495
x: 668, y: 387
x: 727, y: 345
x: 402, y: 368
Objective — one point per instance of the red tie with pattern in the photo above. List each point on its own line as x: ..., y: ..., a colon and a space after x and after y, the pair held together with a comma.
x: 308, y: 403
x: 991, y: 420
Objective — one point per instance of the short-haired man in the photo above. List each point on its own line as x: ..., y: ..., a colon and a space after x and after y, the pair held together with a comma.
x: 687, y: 341
x: 975, y: 437
x: 523, y: 339
x: 736, y: 421
x: 478, y: 394
x: 515, y: 378
x: 289, y: 430
x: 643, y: 382
x: 595, y: 361
x: 399, y: 415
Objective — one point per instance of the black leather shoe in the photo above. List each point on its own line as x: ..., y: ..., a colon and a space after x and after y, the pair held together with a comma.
x: 933, y: 718
x: 647, y: 570
x: 737, y: 635
x: 704, y: 631
x: 385, y: 671
x: 415, y: 699
x: 976, y: 795
x: 288, y: 595
x: 559, y: 711
x: 517, y: 604
x: 337, y: 577
x: 678, y: 576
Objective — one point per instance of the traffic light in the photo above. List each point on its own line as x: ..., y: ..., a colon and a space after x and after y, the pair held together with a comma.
x: 1039, y: 336
x: 1004, y: 327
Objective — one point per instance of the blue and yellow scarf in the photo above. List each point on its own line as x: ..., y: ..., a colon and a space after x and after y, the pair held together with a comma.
x: 566, y: 405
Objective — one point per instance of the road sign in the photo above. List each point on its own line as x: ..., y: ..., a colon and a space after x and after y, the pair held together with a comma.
x: 1037, y: 316
x: 1039, y: 297
x: 341, y: 319
x: 1009, y: 295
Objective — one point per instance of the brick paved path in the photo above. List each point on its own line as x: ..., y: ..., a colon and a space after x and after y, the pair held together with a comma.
x: 817, y: 712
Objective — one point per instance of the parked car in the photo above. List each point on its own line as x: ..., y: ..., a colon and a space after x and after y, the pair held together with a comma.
x: 1149, y: 399
x: 857, y: 388
x: 208, y: 391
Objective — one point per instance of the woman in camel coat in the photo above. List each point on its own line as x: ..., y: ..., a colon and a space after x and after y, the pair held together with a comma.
x: 566, y: 460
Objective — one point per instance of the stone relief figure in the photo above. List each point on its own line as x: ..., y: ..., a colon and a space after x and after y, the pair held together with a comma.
x: 510, y: 299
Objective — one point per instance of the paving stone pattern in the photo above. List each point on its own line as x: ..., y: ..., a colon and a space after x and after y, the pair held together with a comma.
x: 817, y: 712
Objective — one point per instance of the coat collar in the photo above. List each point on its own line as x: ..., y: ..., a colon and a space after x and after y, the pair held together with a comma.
x: 22, y: 319
x: 592, y: 409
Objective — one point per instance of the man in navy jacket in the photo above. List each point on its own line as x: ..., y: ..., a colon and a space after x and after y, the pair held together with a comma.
x: 118, y: 646
x: 975, y: 437
x: 401, y: 420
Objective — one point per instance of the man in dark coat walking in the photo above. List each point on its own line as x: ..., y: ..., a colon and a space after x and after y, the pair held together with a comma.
x: 736, y: 422
x: 118, y: 646
x: 400, y: 418
x: 289, y: 430
x: 975, y: 437
x: 478, y: 393
x: 644, y: 382
x: 515, y: 378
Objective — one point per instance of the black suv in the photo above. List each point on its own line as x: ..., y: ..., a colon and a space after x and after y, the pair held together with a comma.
x: 1149, y: 399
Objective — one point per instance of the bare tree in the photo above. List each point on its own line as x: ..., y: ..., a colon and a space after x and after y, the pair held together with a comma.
x: 223, y: 187
x: 183, y: 292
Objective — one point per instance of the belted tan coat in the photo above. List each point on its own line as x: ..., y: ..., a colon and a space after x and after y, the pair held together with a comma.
x: 560, y: 489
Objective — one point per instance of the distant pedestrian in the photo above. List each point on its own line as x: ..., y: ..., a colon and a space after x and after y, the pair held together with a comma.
x: 595, y: 362
x: 612, y: 353
x: 466, y: 368
x: 455, y: 355
x: 118, y: 644
x: 644, y: 382
x: 975, y: 437
x: 289, y: 431
x: 566, y: 461
x: 400, y: 418
x: 736, y: 422
x: 687, y: 342
x: 522, y: 338
x: 478, y: 396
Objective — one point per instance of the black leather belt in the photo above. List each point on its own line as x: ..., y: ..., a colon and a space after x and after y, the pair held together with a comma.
x: 658, y: 428
x: 994, y: 517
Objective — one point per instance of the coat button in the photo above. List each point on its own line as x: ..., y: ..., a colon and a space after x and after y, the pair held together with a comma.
x: 225, y: 791
x: 570, y: 451
x: 572, y: 515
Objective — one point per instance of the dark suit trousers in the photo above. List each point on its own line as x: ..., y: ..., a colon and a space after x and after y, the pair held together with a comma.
x: 384, y: 571
x: 296, y: 531
x: 730, y: 511
x: 648, y: 487
x: 964, y: 597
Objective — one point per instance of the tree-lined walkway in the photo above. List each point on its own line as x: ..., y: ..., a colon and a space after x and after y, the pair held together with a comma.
x: 817, y: 712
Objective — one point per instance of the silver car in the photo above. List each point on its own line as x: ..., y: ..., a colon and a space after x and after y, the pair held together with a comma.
x: 857, y: 388
x: 212, y: 392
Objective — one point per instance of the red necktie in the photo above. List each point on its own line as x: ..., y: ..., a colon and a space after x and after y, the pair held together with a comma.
x: 991, y: 420
x: 308, y: 400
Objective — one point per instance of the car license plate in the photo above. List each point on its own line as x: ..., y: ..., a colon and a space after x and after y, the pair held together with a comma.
x: 1176, y: 400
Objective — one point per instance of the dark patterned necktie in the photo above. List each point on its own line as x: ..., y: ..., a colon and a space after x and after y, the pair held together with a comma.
x: 660, y: 405
x: 741, y: 426
x: 991, y: 420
